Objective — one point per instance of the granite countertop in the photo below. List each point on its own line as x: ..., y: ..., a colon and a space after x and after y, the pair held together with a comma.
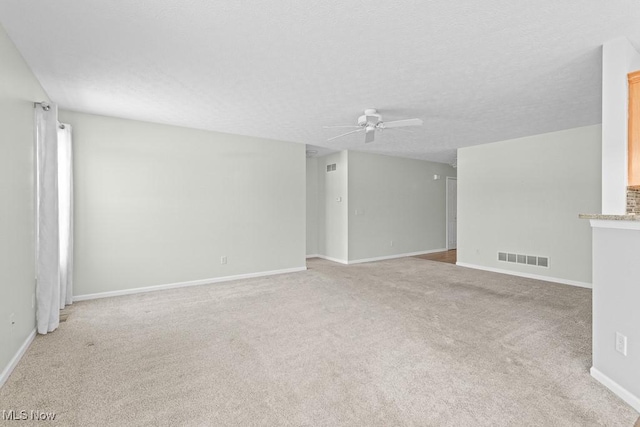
x: 610, y: 217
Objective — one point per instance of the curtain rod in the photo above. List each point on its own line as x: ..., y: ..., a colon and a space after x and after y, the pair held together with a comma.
x: 45, y: 105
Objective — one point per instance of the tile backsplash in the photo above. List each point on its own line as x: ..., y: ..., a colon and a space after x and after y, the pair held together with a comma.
x: 633, y: 200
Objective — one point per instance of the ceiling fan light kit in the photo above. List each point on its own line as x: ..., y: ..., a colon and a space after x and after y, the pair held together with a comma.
x: 371, y: 122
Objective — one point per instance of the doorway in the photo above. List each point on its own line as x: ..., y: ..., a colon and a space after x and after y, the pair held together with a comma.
x: 452, y: 213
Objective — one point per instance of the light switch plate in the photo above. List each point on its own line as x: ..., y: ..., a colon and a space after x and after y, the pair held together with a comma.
x: 621, y: 343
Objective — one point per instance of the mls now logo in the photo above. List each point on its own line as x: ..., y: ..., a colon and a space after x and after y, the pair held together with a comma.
x: 33, y: 415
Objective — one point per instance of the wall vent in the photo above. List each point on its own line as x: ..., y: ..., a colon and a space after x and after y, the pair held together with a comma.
x: 331, y: 167
x: 540, y: 261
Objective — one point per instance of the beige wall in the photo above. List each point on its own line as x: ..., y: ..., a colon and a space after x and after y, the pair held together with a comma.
x: 18, y: 91
x: 618, y: 58
x: 524, y: 196
x: 616, y: 245
x: 333, y: 222
x: 157, y: 204
x: 312, y: 206
x: 397, y: 200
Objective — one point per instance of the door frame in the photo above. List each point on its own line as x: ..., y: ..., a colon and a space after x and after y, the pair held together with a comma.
x: 446, y: 206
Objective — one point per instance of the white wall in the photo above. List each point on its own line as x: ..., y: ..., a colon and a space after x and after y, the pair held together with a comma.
x: 312, y: 206
x: 616, y: 293
x: 524, y: 196
x: 157, y: 204
x: 618, y: 59
x: 393, y: 199
x: 18, y: 91
x: 615, y: 269
x: 333, y: 220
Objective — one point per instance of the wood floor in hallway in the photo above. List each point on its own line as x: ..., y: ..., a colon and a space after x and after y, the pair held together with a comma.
x: 446, y: 256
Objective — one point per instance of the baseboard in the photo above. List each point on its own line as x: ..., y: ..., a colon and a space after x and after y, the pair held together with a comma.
x: 380, y: 258
x: 408, y: 254
x: 621, y: 392
x: 184, y: 284
x: 328, y: 258
x: 14, y: 362
x: 527, y: 275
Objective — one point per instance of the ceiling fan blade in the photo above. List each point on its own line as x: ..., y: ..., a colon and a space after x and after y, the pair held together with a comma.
x: 345, y: 126
x: 345, y: 134
x: 369, y: 136
x: 401, y: 123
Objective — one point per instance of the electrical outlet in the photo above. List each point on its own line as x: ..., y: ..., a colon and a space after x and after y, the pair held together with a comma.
x: 223, y: 260
x: 621, y: 343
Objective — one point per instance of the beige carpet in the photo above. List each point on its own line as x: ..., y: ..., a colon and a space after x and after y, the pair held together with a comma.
x: 400, y: 342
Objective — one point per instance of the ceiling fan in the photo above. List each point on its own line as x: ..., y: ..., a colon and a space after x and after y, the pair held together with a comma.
x: 371, y: 122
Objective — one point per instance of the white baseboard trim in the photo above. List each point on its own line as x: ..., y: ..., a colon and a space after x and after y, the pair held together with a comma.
x: 408, y: 254
x: 185, y: 284
x: 328, y: 258
x: 380, y: 258
x: 527, y: 275
x: 14, y: 362
x: 620, y: 391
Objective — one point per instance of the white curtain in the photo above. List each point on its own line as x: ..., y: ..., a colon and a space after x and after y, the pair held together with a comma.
x: 65, y: 213
x: 53, y: 248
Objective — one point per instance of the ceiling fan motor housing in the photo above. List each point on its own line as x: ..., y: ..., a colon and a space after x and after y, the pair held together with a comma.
x: 371, y: 122
x: 370, y: 118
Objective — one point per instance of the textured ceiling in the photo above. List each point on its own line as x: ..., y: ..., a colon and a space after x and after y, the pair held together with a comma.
x: 474, y: 71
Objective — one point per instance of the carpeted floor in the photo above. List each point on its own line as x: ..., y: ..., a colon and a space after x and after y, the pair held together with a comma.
x: 399, y: 342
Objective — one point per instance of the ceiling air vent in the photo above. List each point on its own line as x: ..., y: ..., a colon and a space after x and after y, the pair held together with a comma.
x: 331, y: 167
